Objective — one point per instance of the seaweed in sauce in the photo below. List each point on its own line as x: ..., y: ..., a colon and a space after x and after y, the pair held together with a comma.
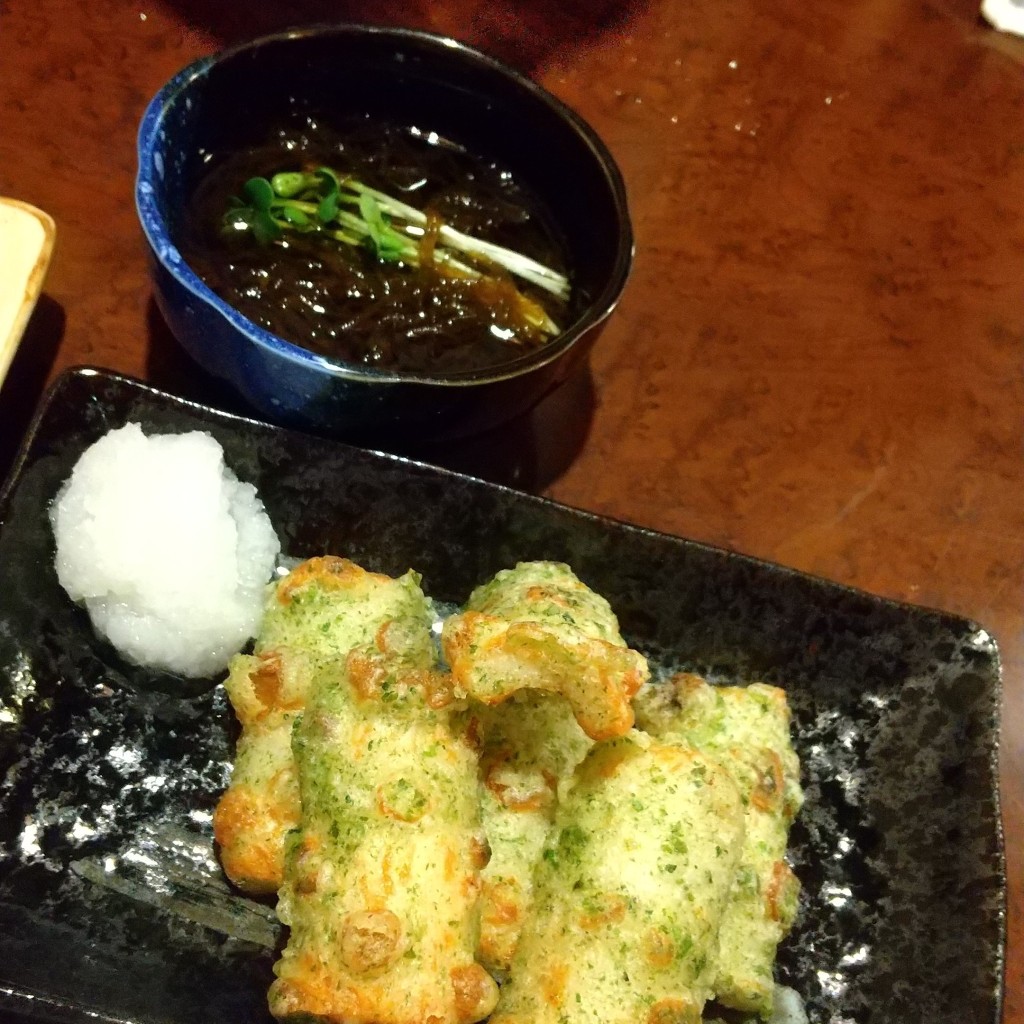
x: 348, y: 304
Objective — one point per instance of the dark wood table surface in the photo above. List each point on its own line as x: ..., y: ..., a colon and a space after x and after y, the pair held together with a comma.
x: 818, y: 359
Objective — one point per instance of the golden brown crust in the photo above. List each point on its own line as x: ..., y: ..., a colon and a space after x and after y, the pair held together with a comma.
x: 370, y: 940
x: 246, y: 824
x: 476, y: 993
x: 674, y: 1011
x: 327, y: 571
x: 491, y: 659
x: 502, y: 912
x: 313, y: 618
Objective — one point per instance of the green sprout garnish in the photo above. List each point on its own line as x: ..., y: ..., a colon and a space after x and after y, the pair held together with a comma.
x: 349, y: 212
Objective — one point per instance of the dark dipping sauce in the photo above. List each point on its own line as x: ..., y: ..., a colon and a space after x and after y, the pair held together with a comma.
x: 344, y: 302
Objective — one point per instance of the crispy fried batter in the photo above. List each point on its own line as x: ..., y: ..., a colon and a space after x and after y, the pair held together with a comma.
x: 538, y: 627
x: 390, y: 831
x: 746, y: 728
x: 630, y: 891
x: 312, y: 619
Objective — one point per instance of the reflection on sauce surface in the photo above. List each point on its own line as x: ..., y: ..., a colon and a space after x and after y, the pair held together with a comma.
x: 344, y: 301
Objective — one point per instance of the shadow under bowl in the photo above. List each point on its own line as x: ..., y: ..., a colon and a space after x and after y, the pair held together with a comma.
x: 235, y: 99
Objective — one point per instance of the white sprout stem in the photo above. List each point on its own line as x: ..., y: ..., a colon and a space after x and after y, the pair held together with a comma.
x: 411, y: 254
x: 516, y: 263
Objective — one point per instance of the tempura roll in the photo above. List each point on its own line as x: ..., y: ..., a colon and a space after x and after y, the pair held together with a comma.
x: 261, y: 803
x: 629, y: 891
x: 382, y: 877
x: 538, y: 627
x: 747, y: 728
x: 314, y: 616
x: 531, y: 747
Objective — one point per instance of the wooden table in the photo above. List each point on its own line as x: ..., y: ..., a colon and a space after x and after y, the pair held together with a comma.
x: 818, y: 358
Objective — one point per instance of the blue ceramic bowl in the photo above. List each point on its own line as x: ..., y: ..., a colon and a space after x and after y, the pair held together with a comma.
x: 235, y: 98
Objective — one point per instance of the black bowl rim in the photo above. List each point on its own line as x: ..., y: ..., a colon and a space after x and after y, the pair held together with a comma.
x: 167, y: 254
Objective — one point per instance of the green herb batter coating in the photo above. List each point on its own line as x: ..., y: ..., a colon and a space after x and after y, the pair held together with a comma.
x: 382, y: 877
x: 538, y: 627
x: 629, y: 891
x: 314, y: 616
x: 531, y: 746
x: 746, y: 728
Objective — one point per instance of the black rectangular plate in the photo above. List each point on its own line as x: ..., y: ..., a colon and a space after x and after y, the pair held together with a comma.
x: 108, y: 773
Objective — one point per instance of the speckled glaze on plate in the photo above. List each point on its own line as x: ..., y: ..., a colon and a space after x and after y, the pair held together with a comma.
x: 111, y: 904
